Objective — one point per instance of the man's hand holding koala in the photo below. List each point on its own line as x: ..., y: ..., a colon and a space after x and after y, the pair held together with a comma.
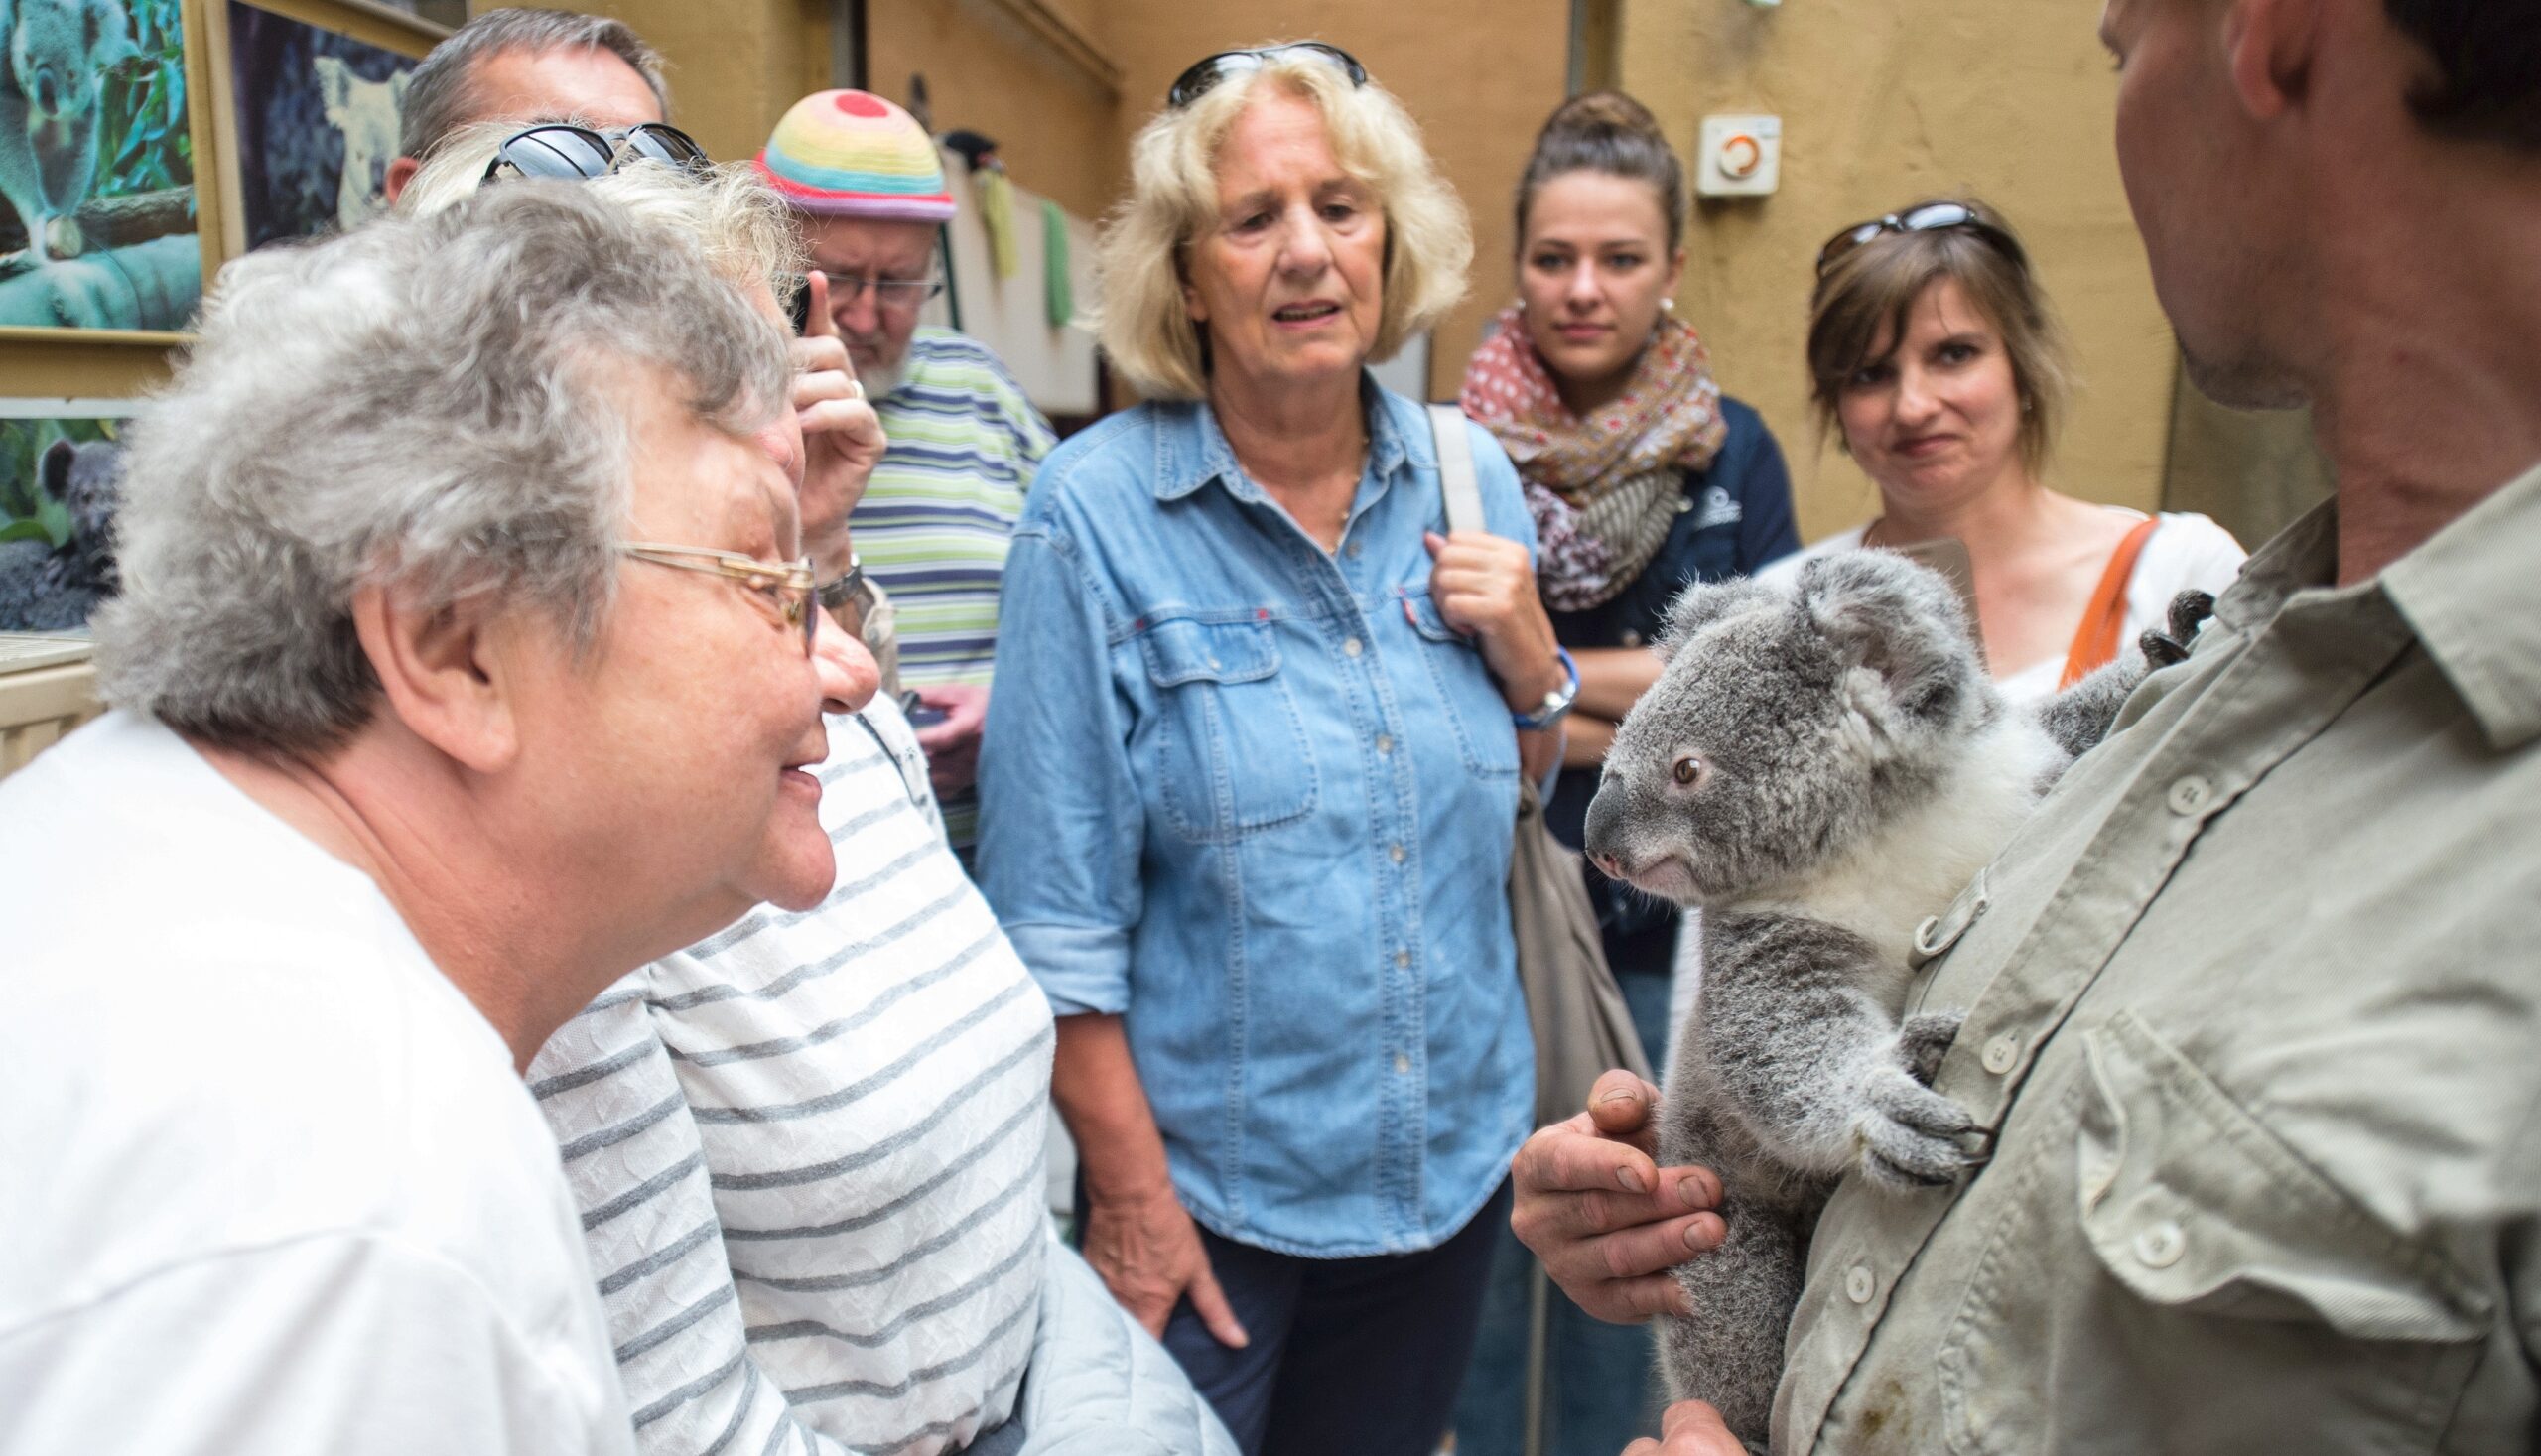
x: 1607, y: 1221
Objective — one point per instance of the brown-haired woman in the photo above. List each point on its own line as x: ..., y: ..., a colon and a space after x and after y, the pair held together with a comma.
x: 1932, y: 352
x: 1640, y: 477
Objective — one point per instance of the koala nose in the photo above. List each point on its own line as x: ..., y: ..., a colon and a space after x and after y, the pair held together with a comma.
x: 1600, y: 834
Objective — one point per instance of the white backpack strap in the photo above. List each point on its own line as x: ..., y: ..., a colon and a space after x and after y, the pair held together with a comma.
x: 1455, y: 468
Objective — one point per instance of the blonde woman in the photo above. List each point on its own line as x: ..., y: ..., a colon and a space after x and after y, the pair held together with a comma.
x: 1252, y: 766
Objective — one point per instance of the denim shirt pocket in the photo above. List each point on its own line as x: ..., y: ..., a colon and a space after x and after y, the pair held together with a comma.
x: 1232, y: 751
x: 1484, y: 731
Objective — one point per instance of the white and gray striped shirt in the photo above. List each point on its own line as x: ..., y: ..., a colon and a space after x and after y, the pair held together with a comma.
x: 809, y: 1149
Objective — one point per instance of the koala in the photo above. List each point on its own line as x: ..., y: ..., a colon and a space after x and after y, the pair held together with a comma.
x: 1819, y: 772
x: 55, y: 61
x: 369, y: 114
x: 46, y: 588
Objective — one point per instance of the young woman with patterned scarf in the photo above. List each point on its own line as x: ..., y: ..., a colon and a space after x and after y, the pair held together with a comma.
x: 1641, y: 477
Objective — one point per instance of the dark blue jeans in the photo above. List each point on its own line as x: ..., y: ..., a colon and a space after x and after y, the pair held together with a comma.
x: 1350, y: 1356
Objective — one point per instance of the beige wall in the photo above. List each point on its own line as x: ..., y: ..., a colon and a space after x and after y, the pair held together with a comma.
x: 1055, y: 123
x: 1884, y: 104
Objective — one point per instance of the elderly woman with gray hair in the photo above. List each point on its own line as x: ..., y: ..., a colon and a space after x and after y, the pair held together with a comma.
x: 808, y: 1148
x: 463, y: 661
x: 1252, y: 765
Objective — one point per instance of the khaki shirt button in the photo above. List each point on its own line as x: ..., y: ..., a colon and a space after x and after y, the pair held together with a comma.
x: 1402, y: 1063
x: 2161, y: 1245
x: 2001, y: 1053
x: 1356, y: 547
x: 2188, y: 794
x: 1394, y: 852
x: 1385, y: 742
x: 1402, y: 959
x: 1352, y: 647
x: 1858, y: 1284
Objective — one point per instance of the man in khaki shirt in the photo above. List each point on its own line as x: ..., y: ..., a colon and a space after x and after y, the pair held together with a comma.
x: 2253, y: 1006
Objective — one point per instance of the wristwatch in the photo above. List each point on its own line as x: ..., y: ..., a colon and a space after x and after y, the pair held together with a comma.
x: 1556, y: 704
x: 841, y: 592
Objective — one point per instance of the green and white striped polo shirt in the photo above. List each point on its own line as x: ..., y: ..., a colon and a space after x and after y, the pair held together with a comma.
x: 933, y: 524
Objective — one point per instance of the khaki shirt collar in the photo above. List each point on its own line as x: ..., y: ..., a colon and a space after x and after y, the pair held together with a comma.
x: 2473, y: 596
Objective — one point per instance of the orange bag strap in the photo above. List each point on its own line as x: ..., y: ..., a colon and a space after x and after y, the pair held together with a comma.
x: 2104, y: 620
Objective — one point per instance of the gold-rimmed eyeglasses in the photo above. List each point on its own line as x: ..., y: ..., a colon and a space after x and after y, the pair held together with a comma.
x: 889, y: 293
x: 787, y: 584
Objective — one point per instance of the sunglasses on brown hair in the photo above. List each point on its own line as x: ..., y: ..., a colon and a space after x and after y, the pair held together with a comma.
x: 1205, y: 73
x: 1929, y: 217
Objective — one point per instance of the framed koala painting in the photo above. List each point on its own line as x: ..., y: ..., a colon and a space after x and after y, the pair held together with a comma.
x: 59, y: 469
x: 314, y: 97
x: 98, y: 218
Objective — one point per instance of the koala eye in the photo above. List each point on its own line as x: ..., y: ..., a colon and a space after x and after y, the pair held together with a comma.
x: 1691, y: 771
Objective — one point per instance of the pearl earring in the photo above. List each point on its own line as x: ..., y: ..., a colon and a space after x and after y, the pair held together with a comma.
x: 1667, y: 306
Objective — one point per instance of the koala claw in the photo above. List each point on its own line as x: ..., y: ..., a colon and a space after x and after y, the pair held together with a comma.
x: 1911, y: 1136
x: 1924, y: 1041
x: 2168, y: 645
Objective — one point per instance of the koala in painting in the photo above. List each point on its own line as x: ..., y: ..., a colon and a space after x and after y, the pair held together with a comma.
x: 369, y: 113
x: 57, y: 55
x: 1820, y: 772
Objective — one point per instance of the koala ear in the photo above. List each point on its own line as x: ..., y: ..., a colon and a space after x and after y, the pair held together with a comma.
x: 334, y: 81
x: 1899, y: 620
x: 52, y: 468
x: 1703, y: 603
x: 110, y: 34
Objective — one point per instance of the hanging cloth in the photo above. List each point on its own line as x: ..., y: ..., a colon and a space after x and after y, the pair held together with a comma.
x: 1059, y: 288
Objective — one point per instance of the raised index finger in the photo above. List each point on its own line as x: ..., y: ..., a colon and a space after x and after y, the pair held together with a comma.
x: 818, y: 325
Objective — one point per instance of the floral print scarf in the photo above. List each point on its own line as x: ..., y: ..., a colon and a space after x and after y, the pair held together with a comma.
x: 1604, y: 490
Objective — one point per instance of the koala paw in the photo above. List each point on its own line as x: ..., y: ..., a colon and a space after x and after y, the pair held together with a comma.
x: 1910, y: 1136
x: 2169, y: 646
x: 1924, y: 1041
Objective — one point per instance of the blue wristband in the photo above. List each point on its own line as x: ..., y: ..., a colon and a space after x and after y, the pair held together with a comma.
x: 1556, y: 704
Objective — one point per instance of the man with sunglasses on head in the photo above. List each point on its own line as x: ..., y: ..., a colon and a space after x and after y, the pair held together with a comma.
x: 868, y: 193
x: 596, y: 74
x: 2249, y: 1008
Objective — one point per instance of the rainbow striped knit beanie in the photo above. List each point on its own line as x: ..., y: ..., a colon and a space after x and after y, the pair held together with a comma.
x: 851, y: 154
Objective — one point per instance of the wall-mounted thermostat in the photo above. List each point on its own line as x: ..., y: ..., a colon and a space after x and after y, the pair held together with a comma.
x: 1740, y: 157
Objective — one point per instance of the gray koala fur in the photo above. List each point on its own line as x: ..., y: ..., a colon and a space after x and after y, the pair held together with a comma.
x: 1820, y: 771
x: 48, y: 589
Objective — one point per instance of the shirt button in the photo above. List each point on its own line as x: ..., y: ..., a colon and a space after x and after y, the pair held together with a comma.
x: 1355, y: 548
x: 1402, y: 959
x: 1385, y: 742
x: 1394, y: 852
x: 1352, y: 647
x: 2161, y: 1245
x: 2188, y: 794
x: 2001, y: 1053
x: 1858, y: 1284
x: 1402, y: 1064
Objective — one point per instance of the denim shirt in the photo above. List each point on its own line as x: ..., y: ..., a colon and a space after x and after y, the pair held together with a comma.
x: 1258, y: 799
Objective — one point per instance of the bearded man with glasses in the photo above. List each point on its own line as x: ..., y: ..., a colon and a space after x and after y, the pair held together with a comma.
x: 868, y: 193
